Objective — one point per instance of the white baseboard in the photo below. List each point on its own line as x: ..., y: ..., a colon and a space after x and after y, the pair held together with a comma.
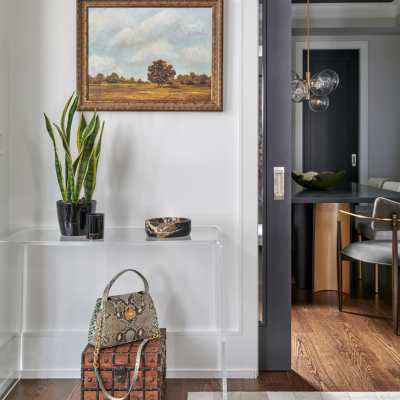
x: 171, y: 374
x: 212, y: 374
x: 57, y: 355
x: 51, y: 373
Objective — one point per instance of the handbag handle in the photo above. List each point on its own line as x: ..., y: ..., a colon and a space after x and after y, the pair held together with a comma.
x: 116, y: 277
x: 99, y: 334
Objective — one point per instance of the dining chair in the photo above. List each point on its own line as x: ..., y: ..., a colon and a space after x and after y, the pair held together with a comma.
x: 385, y: 218
x: 364, y: 230
x: 391, y: 185
x: 375, y: 183
x: 366, y: 209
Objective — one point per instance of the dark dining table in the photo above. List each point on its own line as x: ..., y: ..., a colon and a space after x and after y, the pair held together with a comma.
x: 352, y: 193
x: 314, y: 223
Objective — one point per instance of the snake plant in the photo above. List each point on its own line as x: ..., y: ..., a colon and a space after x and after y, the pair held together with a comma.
x: 77, y: 175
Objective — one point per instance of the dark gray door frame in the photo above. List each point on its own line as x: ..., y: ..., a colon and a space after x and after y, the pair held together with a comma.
x: 275, y: 336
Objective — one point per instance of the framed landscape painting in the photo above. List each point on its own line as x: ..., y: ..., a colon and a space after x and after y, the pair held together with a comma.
x: 150, y: 55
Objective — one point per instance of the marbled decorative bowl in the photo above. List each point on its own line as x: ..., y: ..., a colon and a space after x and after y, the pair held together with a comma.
x: 318, y: 180
x: 168, y: 227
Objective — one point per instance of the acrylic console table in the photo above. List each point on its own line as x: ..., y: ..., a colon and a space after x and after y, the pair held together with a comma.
x: 60, y: 279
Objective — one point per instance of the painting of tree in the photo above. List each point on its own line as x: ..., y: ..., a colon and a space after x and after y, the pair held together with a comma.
x: 143, y: 57
x: 161, y: 72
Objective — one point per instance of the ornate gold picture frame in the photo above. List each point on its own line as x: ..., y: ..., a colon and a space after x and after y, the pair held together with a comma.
x: 150, y: 55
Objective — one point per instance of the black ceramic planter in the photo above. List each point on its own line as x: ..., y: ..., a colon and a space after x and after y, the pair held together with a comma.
x: 72, y: 217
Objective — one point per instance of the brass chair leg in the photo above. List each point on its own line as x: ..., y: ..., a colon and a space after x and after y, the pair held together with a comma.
x: 359, y: 264
x: 339, y: 267
x: 376, y: 279
x: 395, y: 299
x: 398, y: 301
x: 395, y: 275
x: 340, y: 281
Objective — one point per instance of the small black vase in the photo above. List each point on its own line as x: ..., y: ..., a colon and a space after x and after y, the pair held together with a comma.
x: 72, y: 217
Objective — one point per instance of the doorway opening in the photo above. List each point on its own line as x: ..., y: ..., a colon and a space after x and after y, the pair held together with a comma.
x: 331, y: 138
x: 354, y: 349
x: 336, y: 350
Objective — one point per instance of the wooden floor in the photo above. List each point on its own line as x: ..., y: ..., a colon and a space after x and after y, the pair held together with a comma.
x: 177, y: 389
x: 332, y: 351
x: 345, y: 351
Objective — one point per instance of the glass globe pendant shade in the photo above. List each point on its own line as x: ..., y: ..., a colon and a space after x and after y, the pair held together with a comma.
x: 318, y: 104
x: 324, y: 83
x: 334, y: 76
x: 321, y: 85
x: 295, y: 76
x: 299, y: 90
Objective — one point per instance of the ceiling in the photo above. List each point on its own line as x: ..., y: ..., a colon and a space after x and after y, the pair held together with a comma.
x: 363, y: 17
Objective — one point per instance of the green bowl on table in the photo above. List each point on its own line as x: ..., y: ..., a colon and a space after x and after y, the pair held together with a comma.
x: 318, y: 180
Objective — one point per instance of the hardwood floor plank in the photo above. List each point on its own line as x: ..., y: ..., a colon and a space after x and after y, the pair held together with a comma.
x: 359, y: 353
x: 44, y: 389
x: 332, y: 351
x: 76, y: 392
x: 332, y: 360
x: 307, y: 362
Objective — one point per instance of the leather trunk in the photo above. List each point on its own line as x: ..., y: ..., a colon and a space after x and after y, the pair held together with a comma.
x: 117, y: 366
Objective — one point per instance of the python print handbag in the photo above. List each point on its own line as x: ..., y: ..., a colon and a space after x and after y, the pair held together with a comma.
x: 123, y: 319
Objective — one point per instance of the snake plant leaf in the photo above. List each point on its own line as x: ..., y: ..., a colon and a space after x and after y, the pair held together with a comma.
x: 90, y: 177
x: 98, y: 147
x: 90, y: 128
x: 98, y: 152
x: 84, y: 163
x: 64, y: 113
x: 82, y: 172
x: 81, y: 137
x: 71, y: 115
x: 90, y: 181
x: 75, y: 164
x: 84, y: 134
x: 82, y: 126
x: 84, y: 131
x: 69, y: 176
x: 56, y: 158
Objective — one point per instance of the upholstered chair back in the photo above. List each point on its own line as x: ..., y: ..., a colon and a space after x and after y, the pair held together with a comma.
x: 377, y: 182
x: 390, y: 185
x: 385, y: 208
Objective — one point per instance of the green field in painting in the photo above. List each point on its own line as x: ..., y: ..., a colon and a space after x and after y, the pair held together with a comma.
x: 127, y: 92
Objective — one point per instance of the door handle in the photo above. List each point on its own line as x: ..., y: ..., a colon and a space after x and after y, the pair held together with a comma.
x: 354, y: 160
x: 279, y: 183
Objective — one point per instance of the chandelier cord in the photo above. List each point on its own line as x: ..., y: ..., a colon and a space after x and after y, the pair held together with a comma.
x: 315, y: 89
x: 308, y: 18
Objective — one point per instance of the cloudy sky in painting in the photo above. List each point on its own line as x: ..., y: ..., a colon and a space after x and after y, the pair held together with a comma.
x: 128, y: 40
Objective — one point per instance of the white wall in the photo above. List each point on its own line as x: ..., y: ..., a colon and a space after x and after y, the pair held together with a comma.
x: 383, y: 100
x: 4, y: 116
x: 201, y: 165
x: 9, y: 277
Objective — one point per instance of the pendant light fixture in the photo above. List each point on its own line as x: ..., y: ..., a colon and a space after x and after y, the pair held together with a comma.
x: 315, y: 89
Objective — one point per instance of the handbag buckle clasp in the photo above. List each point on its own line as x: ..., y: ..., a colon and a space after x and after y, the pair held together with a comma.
x: 120, y: 373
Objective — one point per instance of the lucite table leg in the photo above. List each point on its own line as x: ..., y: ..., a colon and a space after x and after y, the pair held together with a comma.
x: 220, y: 296
x: 11, y: 266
